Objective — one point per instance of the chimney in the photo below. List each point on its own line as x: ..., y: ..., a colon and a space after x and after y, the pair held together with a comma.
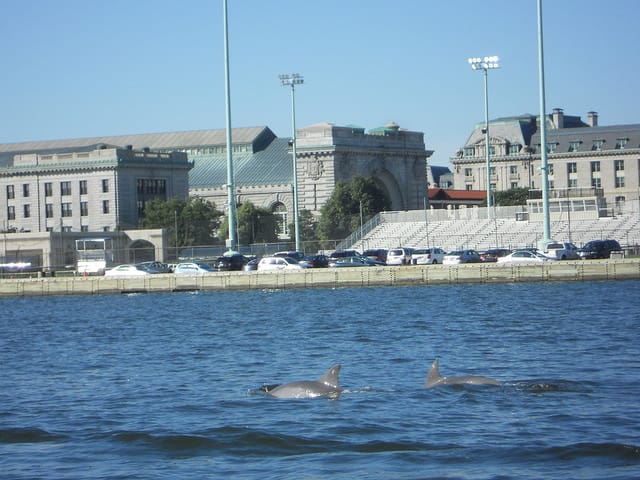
x: 558, y: 117
x: 592, y: 119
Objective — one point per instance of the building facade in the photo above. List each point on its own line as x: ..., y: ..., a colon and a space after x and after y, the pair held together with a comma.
x: 97, y: 188
x: 590, y: 167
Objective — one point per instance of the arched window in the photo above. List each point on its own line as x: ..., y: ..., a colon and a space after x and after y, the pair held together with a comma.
x: 280, y: 214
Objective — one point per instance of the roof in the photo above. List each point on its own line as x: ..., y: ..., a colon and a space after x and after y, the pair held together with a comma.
x: 271, y: 166
x: 584, y: 138
x: 155, y: 141
x: 449, y: 194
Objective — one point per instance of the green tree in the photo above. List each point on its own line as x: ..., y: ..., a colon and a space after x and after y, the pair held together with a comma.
x: 514, y: 196
x: 308, y: 230
x: 340, y: 215
x: 197, y: 220
x: 253, y: 225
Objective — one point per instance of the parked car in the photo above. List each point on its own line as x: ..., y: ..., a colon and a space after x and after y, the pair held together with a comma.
x: 378, y: 254
x: 526, y: 257
x: 599, y: 249
x: 344, y: 253
x: 493, y: 254
x: 561, y: 251
x: 358, y: 261
x: 461, y: 256
x: 251, y: 265
x: 278, y: 263
x: 235, y: 261
x: 315, y: 261
x: 126, y: 270
x: 291, y: 254
x: 154, y: 267
x: 399, y: 256
x: 193, y: 268
x: 426, y: 256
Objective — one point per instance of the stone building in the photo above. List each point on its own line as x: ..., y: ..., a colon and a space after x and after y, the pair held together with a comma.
x: 591, y: 168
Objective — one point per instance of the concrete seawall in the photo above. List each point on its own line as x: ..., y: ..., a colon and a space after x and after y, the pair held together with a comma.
x: 579, y: 270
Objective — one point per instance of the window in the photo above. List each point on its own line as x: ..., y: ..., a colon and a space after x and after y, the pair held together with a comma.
x: 492, y: 171
x: 514, y: 184
x: 513, y: 170
x: 25, y: 190
x: 105, y: 206
x: 550, y: 168
x: 514, y: 149
x: 620, y: 182
x: 596, y: 182
x: 84, y: 228
x: 572, y: 167
x: 618, y: 165
x: 48, y: 210
x: 280, y: 213
x: 11, y: 212
x: 551, y: 147
x: 83, y: 187
x: 84, y: 209
x: 552, y: 184
x: 66, y: 210
x: 10, y: 192
x: 572, y: 183
x: 621, y: 143
x: 595, y: 167
x: 469, y: 187
x: 468, y: 172
x: 65, y: 188
x: 574, y: 146
x: 469, y: 151
x: 105, y: 185
x: 597, y: 145
x: 48, y: 189
x: 26, y: 210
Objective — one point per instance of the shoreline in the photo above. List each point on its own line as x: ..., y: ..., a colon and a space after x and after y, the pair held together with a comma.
x: 479, y: 273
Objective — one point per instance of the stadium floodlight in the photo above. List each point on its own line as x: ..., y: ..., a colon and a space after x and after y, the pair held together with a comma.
x: 293, y: 80
x: 485, y: 64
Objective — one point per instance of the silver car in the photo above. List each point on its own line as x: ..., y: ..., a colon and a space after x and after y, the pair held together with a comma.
x: 427, y: 256
x: 461, y: 256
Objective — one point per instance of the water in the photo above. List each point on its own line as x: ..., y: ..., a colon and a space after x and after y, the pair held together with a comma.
x: 168, y: 385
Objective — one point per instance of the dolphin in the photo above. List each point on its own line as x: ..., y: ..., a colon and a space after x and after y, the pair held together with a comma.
x: 434, y: 378
x: 325, y: 386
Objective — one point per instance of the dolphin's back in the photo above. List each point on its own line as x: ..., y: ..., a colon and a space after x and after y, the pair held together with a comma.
x: 325, y: 386
x: 434, y: 378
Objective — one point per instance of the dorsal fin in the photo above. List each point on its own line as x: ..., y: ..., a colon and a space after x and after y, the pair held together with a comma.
x: 434, y: 377
x: 331, y: 377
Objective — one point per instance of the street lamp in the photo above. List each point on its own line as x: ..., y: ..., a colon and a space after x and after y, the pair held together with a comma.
x: 485, y: 64
x: 293, y: 80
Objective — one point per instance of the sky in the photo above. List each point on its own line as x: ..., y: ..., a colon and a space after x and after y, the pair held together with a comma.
x: 79, y: 68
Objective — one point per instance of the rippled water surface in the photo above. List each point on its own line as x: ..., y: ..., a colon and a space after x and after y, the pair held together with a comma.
x: 168, y: 385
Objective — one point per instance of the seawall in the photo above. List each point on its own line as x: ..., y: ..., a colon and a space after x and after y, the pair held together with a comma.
x: 579, y: 270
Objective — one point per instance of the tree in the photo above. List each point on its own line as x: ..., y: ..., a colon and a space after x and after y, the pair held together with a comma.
x: 514, y: 196
x: 340, y: 215
x: 254, y: 225
x: 197, y: 220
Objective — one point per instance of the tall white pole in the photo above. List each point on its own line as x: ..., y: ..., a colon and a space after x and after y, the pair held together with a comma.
x: 543, y: 132
x: 487, y: 141
x: 293, y: 80
x: 232, y: 241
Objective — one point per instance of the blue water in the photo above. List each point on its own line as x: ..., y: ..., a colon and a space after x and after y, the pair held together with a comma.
x: 168, y: 385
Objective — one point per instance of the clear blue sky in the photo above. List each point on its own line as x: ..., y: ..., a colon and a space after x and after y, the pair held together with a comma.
x: 78, y: 68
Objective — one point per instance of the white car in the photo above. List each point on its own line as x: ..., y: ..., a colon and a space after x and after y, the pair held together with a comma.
x: 278, y: 263
x: 461, y: 256
x: 192, y: 268
x: 126, y: 270
x: 427, y: 256
x: 524, y: 257
x: 561, y: 251
x: 399, y: 256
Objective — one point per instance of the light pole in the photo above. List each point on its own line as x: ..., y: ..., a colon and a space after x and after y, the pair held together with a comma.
x: 543, y: 132
x: 232, y: 241
x: 485, y: 64
x: 293, y: 80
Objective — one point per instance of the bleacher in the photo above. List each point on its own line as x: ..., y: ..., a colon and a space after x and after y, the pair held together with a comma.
x: 456, y: 229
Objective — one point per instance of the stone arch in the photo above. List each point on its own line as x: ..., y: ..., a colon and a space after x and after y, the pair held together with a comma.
x: 390, y: 185
x: 141, y: 251
x: 281, y: 214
